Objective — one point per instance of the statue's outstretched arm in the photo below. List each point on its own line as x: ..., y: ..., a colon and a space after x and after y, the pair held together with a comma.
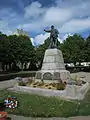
x: 47, y: 30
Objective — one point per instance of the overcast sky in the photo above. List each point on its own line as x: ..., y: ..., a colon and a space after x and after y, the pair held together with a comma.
x: 68, y: 16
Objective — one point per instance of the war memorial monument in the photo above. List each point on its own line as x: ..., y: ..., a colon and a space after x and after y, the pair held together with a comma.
x: 53, y: 68
x: 53, y: 76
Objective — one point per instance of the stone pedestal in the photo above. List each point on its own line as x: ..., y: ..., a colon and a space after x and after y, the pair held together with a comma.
x: 53, y: 67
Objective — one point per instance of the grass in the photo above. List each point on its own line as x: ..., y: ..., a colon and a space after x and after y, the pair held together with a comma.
x: 39, y: 106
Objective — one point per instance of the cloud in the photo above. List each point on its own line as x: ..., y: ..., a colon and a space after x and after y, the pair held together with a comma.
x: 3, y: 24
x: 4, y: 27
x: 68, y: 16
x: 64, y: 37
x: 55, y: 15
x: 8, y: 20
x: 39, y: 39
x: 60, y: 40
x: 42, y: 16
x: 76, y: 26
x: 20, y: 4
x: 32, y: 40
x: 31, y: 27
x: 33, y: 10
x: 70, y: 19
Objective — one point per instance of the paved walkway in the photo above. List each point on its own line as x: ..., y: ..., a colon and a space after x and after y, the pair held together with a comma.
x: 7, y: 84
x: 14, y: 117
x: 82, y: 74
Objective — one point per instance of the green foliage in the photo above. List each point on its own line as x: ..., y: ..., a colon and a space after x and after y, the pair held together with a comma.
x: 19, y: 49
x: 16, y: 49
x: 3, y: 48
x: 73, y: 49
x: 87, y: 49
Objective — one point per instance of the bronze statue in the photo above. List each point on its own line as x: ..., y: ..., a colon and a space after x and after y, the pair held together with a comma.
x: 53, y: 37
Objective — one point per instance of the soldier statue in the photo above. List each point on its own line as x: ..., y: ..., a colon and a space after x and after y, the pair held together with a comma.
x: 53, y: 37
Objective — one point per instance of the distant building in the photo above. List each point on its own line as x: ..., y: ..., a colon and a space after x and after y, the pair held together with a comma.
x: 77, y: 64
x: 20, y: 32
x: 69, y: 64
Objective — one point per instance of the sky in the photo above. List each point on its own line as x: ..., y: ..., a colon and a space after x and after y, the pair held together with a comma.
x: 33, y: 16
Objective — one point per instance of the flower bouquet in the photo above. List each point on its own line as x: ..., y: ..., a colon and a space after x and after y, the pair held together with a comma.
x: 3, y: 115
x: 10, y: 102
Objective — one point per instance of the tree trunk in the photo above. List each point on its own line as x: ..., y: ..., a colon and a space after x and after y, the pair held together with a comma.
x: 15, y: 66
x: 6, y: 67
x: 80, y: 66
x: 9, y: 66
x: 21, y: 66
x: 79, y: 63
x: 3, y: 68
x: 25, y: 65
x: 74, y: 65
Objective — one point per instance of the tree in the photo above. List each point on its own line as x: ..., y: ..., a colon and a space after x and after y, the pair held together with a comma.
x: 3, y: 50
x: 73, y: 49
x: 87, y: 49
x: 21, y: 49
x: 16, y: 49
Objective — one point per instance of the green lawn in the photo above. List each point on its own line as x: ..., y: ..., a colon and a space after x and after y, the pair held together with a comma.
x: 39, y: 106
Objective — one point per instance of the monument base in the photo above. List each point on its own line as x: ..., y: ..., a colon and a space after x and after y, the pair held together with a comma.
x: 53, y: 76
x: 53, y: 68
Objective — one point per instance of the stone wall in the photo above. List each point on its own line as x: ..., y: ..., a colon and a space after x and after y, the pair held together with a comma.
x: 71, y: 92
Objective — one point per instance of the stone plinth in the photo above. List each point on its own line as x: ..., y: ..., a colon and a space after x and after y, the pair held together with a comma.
x: 53, y: 60
x: 53, y: 67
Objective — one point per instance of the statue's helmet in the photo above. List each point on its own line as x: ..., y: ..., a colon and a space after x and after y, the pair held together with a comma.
x: 52, y: 26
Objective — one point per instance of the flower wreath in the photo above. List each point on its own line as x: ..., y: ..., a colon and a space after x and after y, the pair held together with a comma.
x: 11, y: 102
